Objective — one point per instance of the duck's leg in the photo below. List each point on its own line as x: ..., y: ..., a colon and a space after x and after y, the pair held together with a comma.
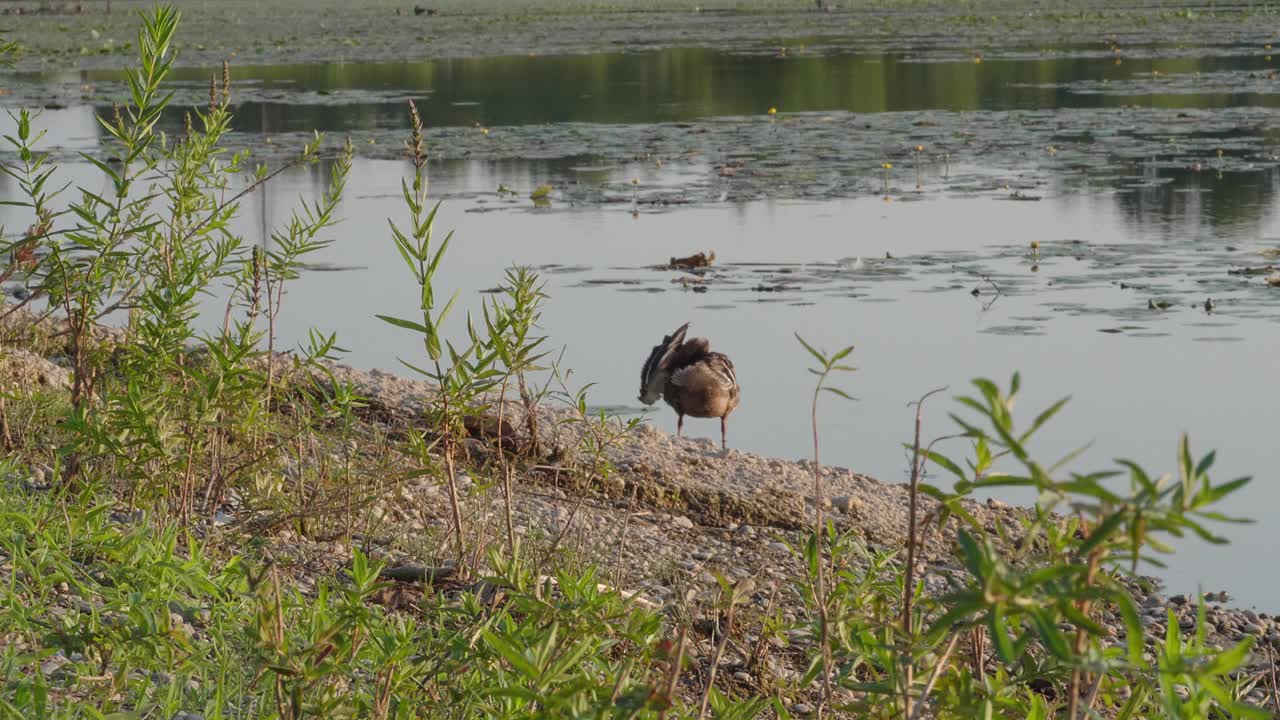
x: 679, y: 423
x: 724, y: 444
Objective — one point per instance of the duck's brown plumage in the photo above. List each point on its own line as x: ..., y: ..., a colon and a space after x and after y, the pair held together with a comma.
x: 692, y: 379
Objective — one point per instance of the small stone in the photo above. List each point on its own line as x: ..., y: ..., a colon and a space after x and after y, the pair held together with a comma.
x: 826, y: 502
x: 688, y: 565
x: 702, y: 555
x: 682, y: 522
x: 742, y: 677
x: 1178, y: 599
x: 779, y: 546
x: 845, y: 503
x: 1254, y: 629
x: 801, y: 709
x: 1251, y: 616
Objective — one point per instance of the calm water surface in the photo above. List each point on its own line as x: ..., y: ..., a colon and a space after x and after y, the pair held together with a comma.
x: 894, y: 277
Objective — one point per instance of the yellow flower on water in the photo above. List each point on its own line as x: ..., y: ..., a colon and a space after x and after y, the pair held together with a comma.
x: 1035, y: 244
x: 635, y: 181
x: 919, y: 148
x: 773, y: 111
x: 484, y: 130
x: 977, y: 59
x: 1267, y: 46
x: 887, y: 166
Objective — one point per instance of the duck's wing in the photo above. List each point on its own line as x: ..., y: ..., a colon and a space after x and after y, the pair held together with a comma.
x: 712, y: 371
x: 660, y: 357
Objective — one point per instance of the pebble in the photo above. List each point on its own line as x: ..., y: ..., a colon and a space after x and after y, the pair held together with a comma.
x: 743, y: 677
x: 845, y: 503
x: 779, y: 546
x: 682, y: 522
x: 826, y: 502
x: 1253, y: 629
x: 1251, y: 616
x: 702, y: 555
x: 801, y: 709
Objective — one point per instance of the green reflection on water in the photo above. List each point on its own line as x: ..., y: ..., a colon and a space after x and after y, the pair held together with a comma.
x: 691, y: 83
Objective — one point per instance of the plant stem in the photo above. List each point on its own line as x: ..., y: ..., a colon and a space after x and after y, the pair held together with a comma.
x: 909, y: 582
x: 938, y: 668
x: 505, y: 465
x: 819, y: 590
x: 715, y: 662
x: 446, y: 429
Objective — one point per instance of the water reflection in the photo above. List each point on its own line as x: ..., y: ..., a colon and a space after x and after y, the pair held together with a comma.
x: 1198, y: 203
x: 682, y: 84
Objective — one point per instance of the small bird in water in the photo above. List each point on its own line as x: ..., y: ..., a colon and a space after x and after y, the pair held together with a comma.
x: 692, y: 379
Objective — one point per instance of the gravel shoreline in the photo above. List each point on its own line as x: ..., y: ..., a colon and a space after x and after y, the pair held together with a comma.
x: 675, y: 515
x: 678, y: 511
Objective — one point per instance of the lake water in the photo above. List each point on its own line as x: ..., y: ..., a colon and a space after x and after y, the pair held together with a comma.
x: 1145, y: 180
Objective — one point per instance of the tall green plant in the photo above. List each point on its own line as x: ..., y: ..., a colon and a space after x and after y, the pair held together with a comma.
x: 1036, y: 592
x: 159, y: 411
x: 815, y: 554
x: 467, y: 371
x: 509, y: 324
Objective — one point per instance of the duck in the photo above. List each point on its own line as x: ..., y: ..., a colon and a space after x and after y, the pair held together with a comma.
x: 692, y: 379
